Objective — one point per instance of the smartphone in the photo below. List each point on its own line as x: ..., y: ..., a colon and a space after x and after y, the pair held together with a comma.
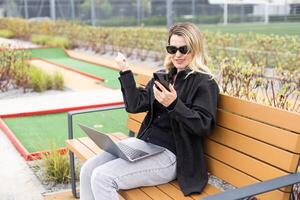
x: 162, y: 78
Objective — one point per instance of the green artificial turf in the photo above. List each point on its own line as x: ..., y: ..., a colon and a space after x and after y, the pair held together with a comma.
x: 39, y: 132
x: 58, y: 56
x: 271, y: 28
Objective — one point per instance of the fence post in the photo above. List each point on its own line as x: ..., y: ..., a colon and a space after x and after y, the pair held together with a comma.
x: 26, y: 9
x: 266, y: 13
x: 93, y: 16
x: 169, y: 4
x: 193, y: 11
x: 52, y: 9
x: 72, y: 9
x: 138, y: 12
x: 286, y: 11
x: 225, y: 12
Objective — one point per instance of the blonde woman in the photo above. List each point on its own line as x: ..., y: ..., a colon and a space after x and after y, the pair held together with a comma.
x: 180, y: 114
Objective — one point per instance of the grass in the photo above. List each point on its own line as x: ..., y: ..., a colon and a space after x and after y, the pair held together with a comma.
x: 271, y: 28
x: 39, y: 132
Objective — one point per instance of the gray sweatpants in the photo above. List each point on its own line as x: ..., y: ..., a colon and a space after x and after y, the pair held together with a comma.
x: 104, y: 174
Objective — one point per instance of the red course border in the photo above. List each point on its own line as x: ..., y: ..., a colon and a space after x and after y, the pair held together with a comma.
x: 37, y: 155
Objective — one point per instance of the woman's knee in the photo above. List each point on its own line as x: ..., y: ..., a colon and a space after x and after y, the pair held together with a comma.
x: 102, y: 179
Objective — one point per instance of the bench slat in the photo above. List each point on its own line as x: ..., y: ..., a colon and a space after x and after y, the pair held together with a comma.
x: 241, y: 161
x: 266, y: 114
x: 155, y: 193
x: 139, y: 117
x: 275, y: 136
x: 90, y: 144
x: 133, y: 125
x: 238, y: 178
x: 134, y: 194
x: 244, y: 163
x: 262, y: 151
x: 143, y: 79
x: 173, y: 192
x: 80, y: 150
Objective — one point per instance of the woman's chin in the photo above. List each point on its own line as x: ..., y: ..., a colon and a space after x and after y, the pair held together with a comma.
x: 180, y: 67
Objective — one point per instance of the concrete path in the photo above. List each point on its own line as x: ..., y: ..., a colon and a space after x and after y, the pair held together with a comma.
x: 59, y: 101
x: 17, y: 180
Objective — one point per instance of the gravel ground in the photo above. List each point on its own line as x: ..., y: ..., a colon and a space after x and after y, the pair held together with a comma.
x: 50, y: 186
x: 13, y: 93
x: 17, y: 44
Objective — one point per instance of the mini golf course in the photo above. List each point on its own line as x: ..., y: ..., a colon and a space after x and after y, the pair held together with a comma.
x: 39, y: 132
x: 59, y: 57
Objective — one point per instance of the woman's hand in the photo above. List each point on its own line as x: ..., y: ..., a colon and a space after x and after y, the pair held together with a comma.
x: 164, y: 96
x: 122, y: 62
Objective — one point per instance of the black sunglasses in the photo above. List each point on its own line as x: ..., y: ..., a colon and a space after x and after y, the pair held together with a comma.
x: 173, y: 49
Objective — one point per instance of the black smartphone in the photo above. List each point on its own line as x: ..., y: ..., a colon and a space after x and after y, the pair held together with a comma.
x: 162, y: 78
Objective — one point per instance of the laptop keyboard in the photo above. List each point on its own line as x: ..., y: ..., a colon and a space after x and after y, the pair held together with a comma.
x: 131, y: 152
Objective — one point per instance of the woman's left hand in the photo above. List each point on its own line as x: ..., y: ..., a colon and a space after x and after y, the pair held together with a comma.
x: 164, y: 96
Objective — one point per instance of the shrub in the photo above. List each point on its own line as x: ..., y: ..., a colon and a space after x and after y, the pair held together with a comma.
x: 58, y: 81
x: 61, y: 42
x: 56, y: 166
x: 40, y: 39
x: 38, y: 79
x: 7, y: 33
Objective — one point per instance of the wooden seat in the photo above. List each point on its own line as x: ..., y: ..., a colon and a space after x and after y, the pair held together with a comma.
x: 251, y: 143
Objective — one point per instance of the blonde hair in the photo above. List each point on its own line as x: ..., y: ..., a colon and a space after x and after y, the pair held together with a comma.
x: 195, y: 42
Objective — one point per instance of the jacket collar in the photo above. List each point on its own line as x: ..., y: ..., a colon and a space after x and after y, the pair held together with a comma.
x: 185, y: 73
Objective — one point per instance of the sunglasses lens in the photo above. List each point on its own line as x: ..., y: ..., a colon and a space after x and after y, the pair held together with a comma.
x: 183, y: 49
x: 171, y: 49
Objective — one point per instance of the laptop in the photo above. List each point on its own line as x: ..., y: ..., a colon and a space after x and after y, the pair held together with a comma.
x: 134, y: 149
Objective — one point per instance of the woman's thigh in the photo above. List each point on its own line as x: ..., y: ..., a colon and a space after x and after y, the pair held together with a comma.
x: 154, y: 170
x: 96, y: 161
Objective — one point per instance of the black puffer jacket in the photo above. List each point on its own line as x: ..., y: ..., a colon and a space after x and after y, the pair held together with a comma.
x: 193, y: 116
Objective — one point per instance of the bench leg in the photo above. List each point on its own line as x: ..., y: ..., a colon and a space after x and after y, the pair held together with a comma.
x: 131, y: 134
x: 73, y: 175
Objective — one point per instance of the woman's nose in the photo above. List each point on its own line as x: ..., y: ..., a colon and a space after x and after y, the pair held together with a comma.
x: 178, y: 54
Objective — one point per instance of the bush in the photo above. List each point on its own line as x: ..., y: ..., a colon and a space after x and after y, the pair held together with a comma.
x: 50, y: 41
x: 7, y: 33
x: 40, y: 39
x: 38, y: 80
x: 58, y: 81
x: 61, y: 42
x: 56, y: 166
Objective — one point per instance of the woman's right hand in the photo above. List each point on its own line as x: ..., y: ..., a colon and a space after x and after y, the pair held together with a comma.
x: 122, y: 62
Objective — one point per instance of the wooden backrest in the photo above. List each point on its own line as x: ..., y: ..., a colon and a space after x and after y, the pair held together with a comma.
x: 251, y: 142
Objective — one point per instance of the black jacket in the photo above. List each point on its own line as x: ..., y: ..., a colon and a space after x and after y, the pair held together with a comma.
x: 193, y: 116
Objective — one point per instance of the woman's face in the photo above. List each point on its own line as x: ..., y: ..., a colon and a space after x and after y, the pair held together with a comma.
x: 179, y: 60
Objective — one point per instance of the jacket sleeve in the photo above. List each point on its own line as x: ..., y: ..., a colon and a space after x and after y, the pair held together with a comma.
x: 200, y: 117
x: 136, y: 99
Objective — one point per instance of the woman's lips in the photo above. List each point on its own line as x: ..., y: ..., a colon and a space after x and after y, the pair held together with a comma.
x: 179, y: 61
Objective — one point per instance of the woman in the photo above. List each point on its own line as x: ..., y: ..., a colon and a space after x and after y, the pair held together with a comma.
x: 178, y: 117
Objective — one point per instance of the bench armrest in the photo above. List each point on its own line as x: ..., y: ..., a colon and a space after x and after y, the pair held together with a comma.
x: 72, y: 113
x: 257, y: 188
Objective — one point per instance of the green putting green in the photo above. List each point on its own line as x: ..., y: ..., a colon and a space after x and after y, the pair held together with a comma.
x: 39, y: 132
x: 58, y: 56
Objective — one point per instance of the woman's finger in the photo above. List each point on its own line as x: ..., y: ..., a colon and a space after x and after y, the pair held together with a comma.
x: 161, y: 87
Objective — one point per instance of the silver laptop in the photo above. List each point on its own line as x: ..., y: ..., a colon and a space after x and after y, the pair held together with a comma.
x: 134, y: 149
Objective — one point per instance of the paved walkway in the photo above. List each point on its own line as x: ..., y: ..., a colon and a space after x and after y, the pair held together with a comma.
x: 17, y: 180
x: 59, y: 101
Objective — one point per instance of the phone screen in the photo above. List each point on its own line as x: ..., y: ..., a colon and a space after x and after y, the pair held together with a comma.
x: 162, y: 78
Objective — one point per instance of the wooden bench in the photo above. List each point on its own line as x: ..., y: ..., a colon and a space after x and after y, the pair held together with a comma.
x: 251, y: 145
